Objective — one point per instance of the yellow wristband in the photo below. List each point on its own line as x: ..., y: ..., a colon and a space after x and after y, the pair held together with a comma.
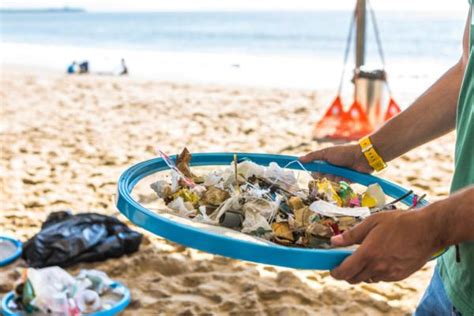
x: 373, y: 158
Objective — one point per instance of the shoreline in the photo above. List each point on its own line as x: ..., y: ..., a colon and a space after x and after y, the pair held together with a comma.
x: 406, y: 77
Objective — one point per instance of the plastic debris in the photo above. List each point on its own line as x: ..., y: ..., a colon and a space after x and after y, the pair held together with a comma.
x: 280, y: 176
x: 375, y: 195
x: 183, y: 209
x: 66, y: 239
x: 267, y: 202
x: 214, y: 196
x: 248, y: 169
x: 328, y: 209
x: 231, y: 219
x: 282, y: 232
x: 53, y: 291
x: 162, y: 188
x: 254, y: 222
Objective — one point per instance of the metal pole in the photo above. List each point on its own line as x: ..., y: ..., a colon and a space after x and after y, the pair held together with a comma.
x: 360, y: 35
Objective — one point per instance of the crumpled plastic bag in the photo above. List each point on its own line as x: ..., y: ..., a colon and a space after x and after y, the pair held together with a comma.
x: 231, y: 204
x: 285, y: 178
x: 248, y: 168
x: 202, y: 216
x: 213, y: 178
x: 49, y: 286
x: 260, y: 206
x: 67, y: 239
x: 182, y: 208
x: 253, y: 222
x: 255, y: 190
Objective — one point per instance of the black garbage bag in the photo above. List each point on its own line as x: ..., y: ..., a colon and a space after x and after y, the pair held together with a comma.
x: 67, y: 239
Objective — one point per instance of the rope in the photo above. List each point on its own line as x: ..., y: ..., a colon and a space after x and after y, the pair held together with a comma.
x: 379, y: 42
x: 346, y: 53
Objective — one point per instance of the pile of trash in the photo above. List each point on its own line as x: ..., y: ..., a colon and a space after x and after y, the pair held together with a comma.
x: 267, y: 202
x: 53, y: 291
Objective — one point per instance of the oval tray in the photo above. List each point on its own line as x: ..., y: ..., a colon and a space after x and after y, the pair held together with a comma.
x: 114, y: 310
x: 14, y: 256
x: 273, y: 254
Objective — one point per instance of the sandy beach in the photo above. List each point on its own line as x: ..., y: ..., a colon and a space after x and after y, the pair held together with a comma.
x: 66, y: 140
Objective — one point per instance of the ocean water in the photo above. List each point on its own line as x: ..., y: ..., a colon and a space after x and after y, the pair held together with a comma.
x: 284, y: 49
x: 404, y: 34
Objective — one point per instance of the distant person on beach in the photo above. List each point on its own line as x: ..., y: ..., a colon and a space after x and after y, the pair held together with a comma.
x: 124, y: 70
x: 395, y: 244
x: 72, y: 68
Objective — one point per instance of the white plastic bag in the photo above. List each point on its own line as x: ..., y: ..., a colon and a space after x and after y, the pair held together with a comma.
x: 50, y: 286
x: 285, y: 178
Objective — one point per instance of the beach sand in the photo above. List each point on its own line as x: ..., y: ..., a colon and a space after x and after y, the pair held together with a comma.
x: 66, y: 140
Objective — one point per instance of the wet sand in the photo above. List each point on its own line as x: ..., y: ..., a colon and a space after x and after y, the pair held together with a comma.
x: 66, y: 140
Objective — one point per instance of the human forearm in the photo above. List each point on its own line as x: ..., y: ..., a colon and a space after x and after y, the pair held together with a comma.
x: 453, y: 218
x: 432, y: 115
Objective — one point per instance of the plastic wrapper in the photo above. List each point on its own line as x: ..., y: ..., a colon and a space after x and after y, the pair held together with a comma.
x: 183, y: 209
x: 248, y: 169
x: 214, y: 196
x: 282, y: 232
x: 327, y: 209
x: 373, y: 197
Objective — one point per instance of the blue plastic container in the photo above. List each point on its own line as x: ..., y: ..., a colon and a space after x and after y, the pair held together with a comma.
x: 15, y: 255
x: 114, y: 310
x: 273, y: 254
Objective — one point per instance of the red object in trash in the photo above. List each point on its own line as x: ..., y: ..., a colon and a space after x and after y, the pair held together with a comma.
x: 331, y: 120
x: 392, y: 110
x: 354, y: 125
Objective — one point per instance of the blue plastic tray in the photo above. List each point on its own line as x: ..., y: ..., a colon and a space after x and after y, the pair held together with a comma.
x: 273, y: 254
x: 14, y: 256
x: 114, y: 310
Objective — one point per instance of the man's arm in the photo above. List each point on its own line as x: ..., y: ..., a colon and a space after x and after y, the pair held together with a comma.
x: 396, y: 244
x: 432, y: 115
x: 453, y: 218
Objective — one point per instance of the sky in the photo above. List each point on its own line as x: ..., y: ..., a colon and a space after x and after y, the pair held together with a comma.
x: 193, y: 5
